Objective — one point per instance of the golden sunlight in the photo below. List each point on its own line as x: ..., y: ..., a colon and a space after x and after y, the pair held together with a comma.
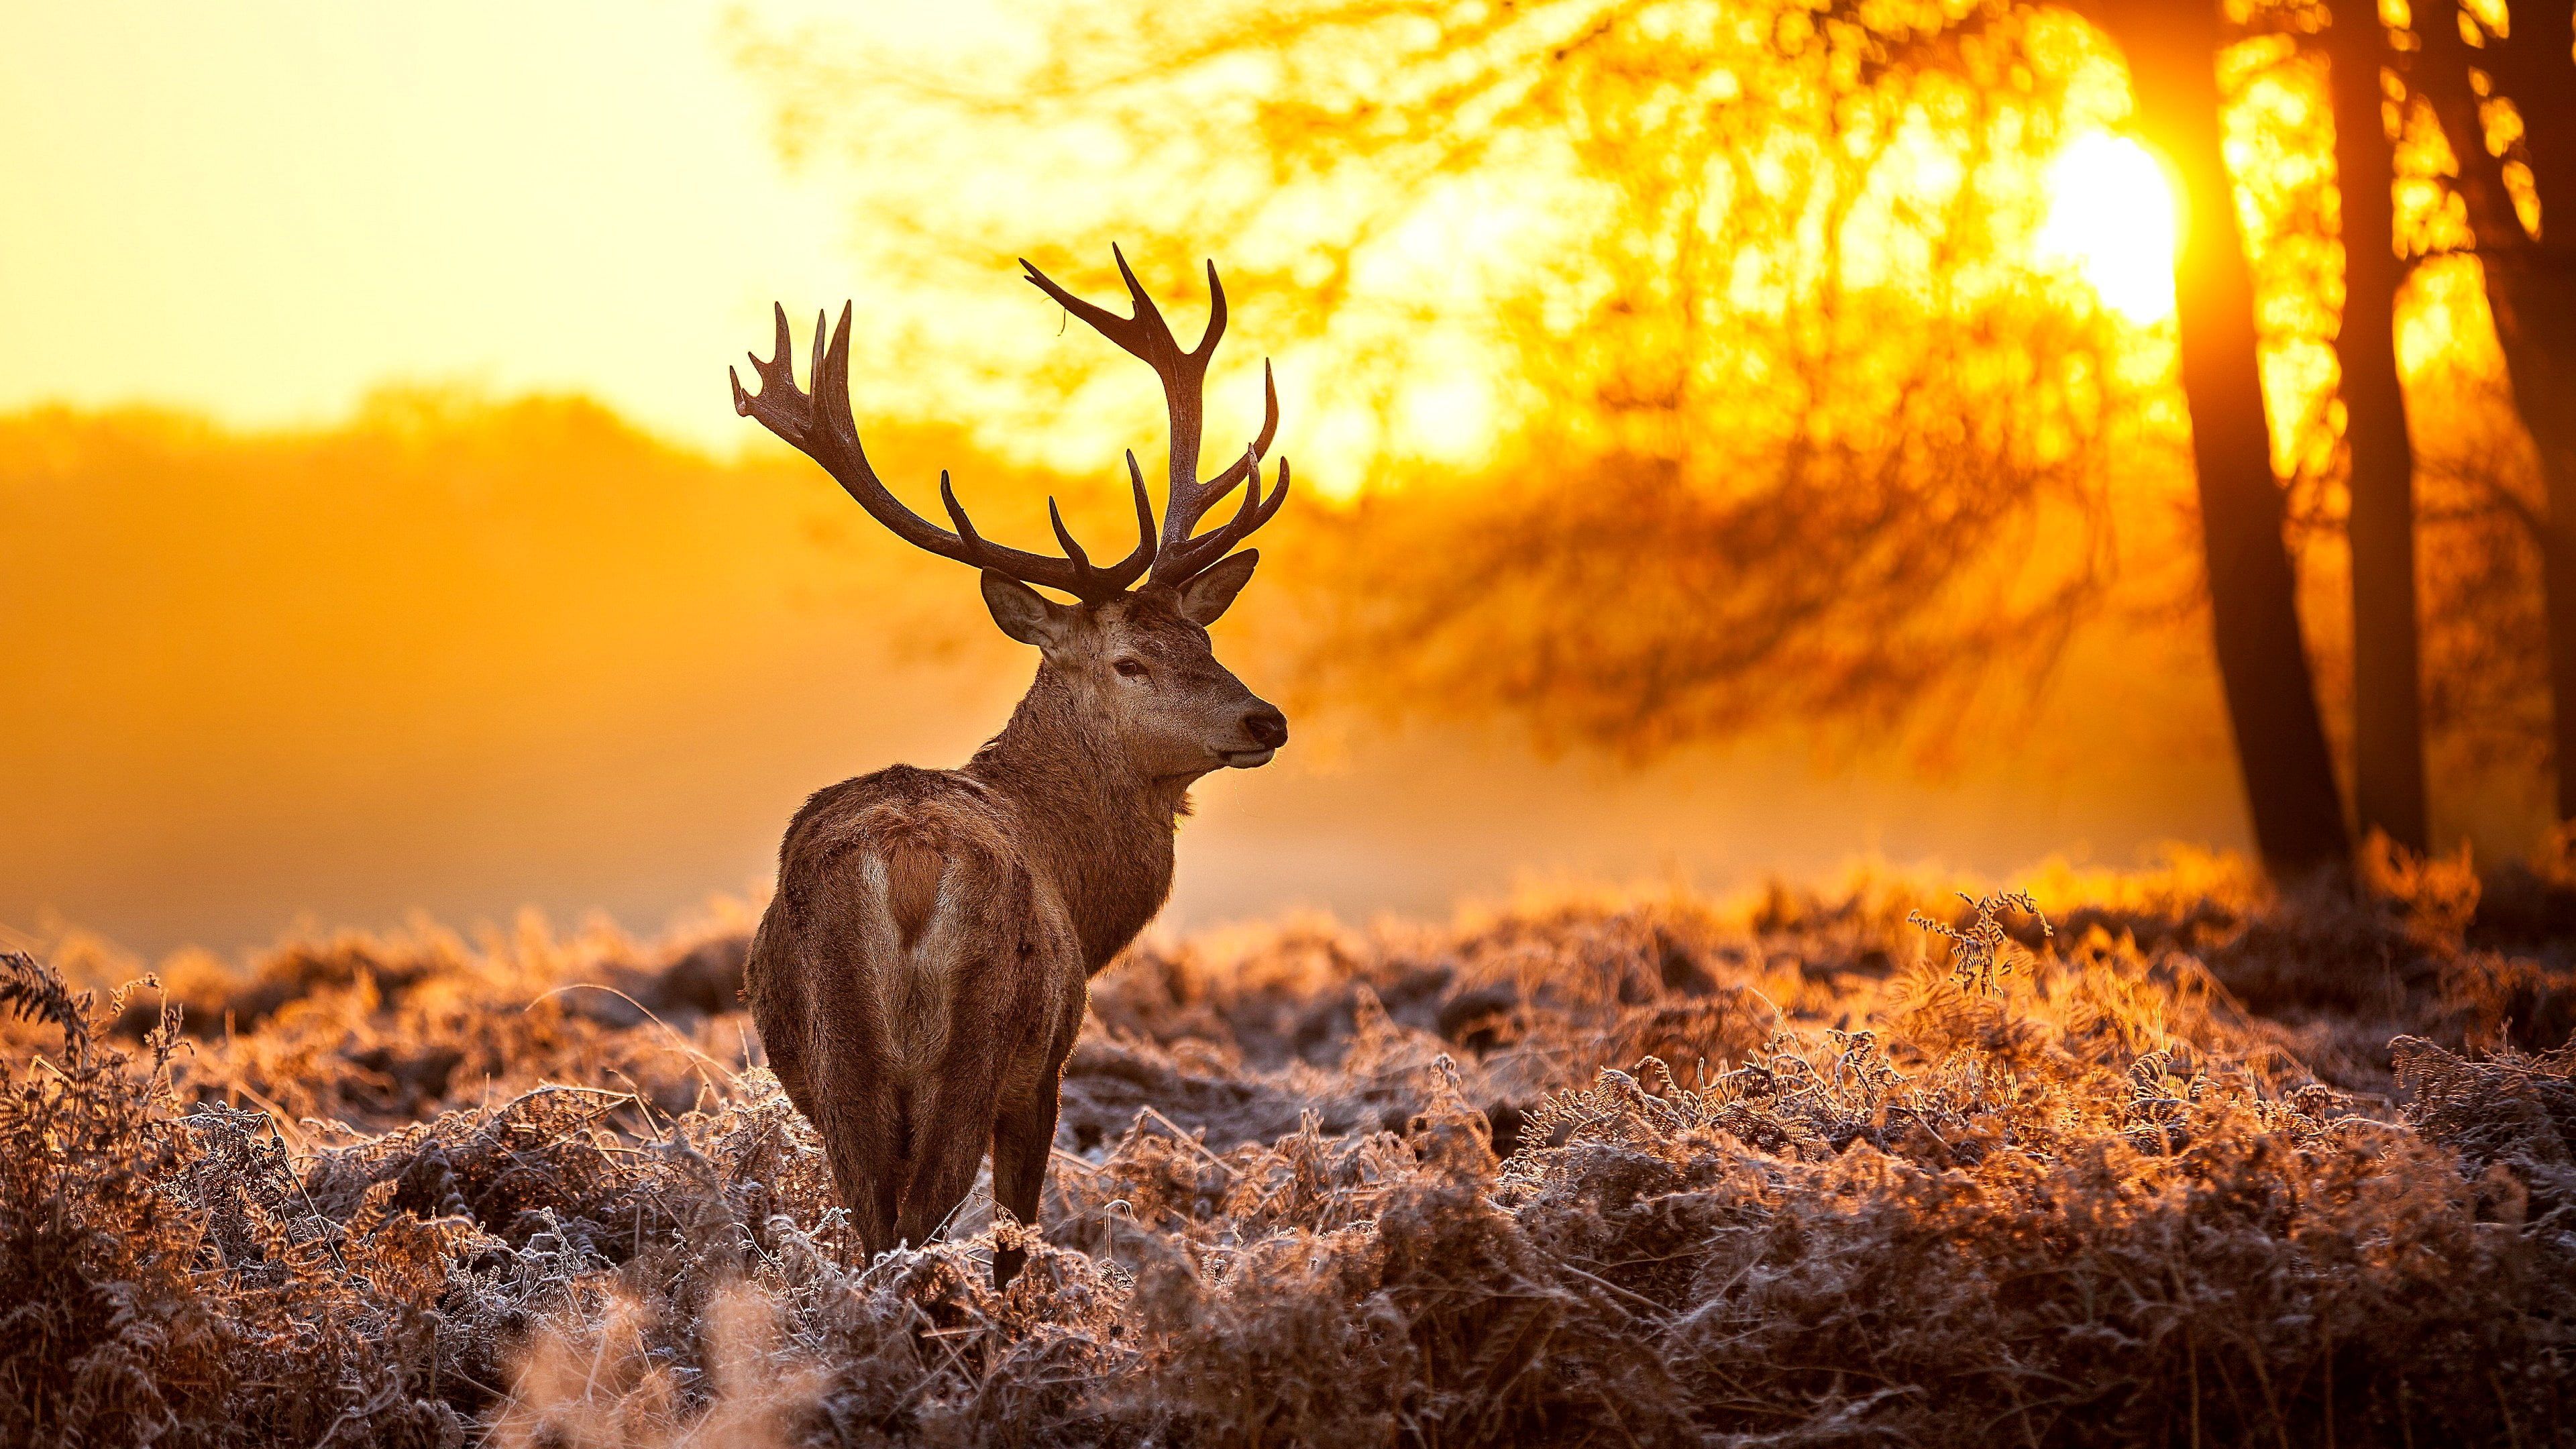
x: 1451, y: 419
x: 2111, y: 216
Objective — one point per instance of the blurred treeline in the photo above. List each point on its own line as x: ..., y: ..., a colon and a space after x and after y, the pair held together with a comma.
x: 470, y: 654
x: 514, y: 651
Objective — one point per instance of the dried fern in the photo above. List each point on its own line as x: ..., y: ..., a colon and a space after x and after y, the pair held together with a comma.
x: 1756, y: 1184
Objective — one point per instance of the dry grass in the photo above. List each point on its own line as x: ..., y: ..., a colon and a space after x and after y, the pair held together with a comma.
x: 2200, y: 1166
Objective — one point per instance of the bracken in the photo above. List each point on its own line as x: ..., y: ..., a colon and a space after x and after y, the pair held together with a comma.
x: 1610, y: 1169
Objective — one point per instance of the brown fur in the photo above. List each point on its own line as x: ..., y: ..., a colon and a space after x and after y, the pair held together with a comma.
x: 912, y: 886
x: 921, y: 973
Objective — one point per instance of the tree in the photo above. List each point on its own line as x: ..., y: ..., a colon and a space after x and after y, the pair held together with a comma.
x: 2507, y: 102
x: 2271, y: 700
x: 1804, y: 433
x: 2387, y: 684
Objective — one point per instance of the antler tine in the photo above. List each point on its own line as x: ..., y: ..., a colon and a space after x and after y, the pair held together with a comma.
x: 1064, y: 535
x: 788, y: 414
x: 1144, y: 505
x: 1148, y: 321
x: 1137, y: 334
x: 1224, y: 483
x: 1148, y: 336
x: 1195, y: 555
x: 957, y: 515
x: 814, y: 370
x: 821, y: 426
x: 1216, y: 315
x: 1182, y: 555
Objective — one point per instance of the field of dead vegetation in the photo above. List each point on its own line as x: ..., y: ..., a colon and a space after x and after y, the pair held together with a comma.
x: 2157, y: 1158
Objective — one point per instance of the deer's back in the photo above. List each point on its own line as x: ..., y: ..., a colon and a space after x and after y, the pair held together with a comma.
x: 909, y: 934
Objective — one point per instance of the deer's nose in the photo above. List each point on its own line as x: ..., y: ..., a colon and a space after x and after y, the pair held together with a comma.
x: 1266, y: 726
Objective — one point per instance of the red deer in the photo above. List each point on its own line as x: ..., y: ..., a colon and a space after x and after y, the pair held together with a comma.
x: 921, y: 972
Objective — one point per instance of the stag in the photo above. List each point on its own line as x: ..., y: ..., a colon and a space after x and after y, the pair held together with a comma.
x: 920, y: 975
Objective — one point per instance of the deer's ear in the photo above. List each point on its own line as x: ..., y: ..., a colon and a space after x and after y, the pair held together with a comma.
x: 1205, y: 599
x: 1023, y: 612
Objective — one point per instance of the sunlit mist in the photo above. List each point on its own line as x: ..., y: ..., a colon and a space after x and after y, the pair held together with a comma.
x: 2111, y: 215
x: 1451, y: 417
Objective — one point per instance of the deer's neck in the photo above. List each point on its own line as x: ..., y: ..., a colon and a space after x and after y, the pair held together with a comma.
x: 1097, y: 826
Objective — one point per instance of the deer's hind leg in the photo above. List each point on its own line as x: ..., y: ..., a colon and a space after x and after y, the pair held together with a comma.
x: 779, y: 1009
x: 821, y: 1059
x: 1024, y: 1132
x: 954, y: 1120
x: 860, y: 1100
x: 1022, y: 1137
x: 864, y: 1136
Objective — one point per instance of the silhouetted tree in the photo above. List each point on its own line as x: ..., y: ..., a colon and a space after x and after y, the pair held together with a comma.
x: 2508, y: 106
x: 2387, y: 685
x: 2281, y: 750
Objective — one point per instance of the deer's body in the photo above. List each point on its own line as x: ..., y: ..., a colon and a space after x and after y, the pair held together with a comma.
x: 921, y: 973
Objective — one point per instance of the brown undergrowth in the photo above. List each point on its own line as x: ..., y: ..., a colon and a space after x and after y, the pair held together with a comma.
x: 2183, y: 1162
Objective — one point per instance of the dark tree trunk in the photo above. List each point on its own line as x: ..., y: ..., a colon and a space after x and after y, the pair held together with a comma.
x: 2290, y: 787
x: 2531, y: 282
x: 2387, y: 724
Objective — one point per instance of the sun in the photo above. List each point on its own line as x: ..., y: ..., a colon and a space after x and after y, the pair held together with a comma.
x: 2111, y: 215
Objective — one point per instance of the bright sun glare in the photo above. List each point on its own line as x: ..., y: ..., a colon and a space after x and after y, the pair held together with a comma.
x: 2111, y: 216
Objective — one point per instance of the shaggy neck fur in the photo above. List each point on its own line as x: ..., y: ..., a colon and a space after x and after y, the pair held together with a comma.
x: 1097, y: 826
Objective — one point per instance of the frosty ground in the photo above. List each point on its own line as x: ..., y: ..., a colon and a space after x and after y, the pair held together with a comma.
x: 2153, y: 1158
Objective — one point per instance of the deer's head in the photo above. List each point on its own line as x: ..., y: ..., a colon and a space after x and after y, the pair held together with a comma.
x: 1134, y: 656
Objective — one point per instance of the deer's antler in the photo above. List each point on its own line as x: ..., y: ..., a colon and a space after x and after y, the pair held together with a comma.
x: 820, y: 426
x: 1184, y: 376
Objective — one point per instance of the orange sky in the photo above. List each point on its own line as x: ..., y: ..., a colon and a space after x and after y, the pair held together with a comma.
x: 261, y: 209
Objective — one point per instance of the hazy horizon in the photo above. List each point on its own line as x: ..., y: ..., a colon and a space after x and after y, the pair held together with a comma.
x: 545, y: 659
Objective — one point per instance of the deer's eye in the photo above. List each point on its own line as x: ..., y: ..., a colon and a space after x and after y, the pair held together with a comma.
x: 1129, y: 669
